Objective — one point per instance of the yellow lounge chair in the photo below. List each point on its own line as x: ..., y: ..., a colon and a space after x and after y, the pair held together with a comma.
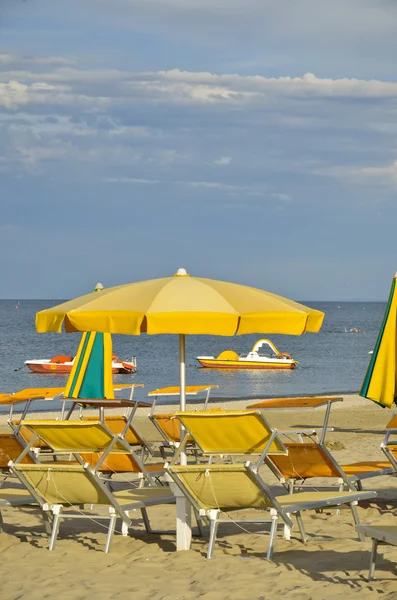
x: 57, y: 487
x: 380, y: 534
x: 92, y: 442
x: 216, y: 489
x: 233, y: 433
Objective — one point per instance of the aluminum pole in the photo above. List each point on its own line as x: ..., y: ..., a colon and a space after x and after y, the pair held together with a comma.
x: 183, y: 508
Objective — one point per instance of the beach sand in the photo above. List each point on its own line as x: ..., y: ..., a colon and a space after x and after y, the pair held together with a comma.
x: 143, y: 566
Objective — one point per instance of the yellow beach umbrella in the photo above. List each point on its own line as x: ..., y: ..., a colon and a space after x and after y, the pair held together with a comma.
x: 181, y: 305
x: 380, y: 382
x: 184, y: 305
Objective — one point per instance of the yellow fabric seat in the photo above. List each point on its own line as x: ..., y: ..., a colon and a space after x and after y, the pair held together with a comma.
x: 217, y: 488
x: 59, y: 486
x: 145, y: 495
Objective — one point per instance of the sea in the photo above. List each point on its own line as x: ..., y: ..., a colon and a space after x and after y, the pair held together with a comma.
x: 333, y: 361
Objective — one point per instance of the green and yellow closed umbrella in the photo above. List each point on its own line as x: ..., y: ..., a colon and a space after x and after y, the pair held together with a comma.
x: 380, y: 382
x: 181, y: 305
x: 91, y: 375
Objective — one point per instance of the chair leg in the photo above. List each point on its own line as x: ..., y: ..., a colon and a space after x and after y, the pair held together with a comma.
x: 356, y: 518
x: 301, y: 527
x: 55, y: 528
x: 372, y: 560
x: 146, y: 521
x: 213, y: 529
x: 1, y: 523
x: 112, y: 525
x: 124, y: 529
x: 199, y: 523
x: 47, y: 522
x: 273, y: 530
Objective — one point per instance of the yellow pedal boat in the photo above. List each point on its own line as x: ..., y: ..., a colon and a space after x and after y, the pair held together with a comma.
x: 228, y: 359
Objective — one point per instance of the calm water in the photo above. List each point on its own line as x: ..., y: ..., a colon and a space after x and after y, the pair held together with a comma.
x: 329, y: 361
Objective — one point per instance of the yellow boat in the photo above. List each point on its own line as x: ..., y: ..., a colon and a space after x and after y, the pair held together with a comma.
x: 228, y: 359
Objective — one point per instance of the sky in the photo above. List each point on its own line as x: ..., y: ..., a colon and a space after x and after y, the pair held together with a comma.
x: 253, y: 142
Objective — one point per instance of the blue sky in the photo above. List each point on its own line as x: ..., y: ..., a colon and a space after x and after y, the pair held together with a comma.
x: 253, y: 142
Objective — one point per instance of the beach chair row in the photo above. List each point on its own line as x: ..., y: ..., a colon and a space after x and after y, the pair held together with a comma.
x: 213, y: 489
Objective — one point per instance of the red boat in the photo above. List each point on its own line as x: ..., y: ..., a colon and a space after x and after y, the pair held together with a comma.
x: 62, y: 365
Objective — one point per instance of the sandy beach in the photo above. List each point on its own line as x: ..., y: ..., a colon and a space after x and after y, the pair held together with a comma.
x: 143, y: 566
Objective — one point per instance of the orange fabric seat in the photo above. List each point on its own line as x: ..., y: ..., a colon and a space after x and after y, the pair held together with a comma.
x: 364, y: 467
x: 118, y: 462
x: 10, y: 449
x: 309, y: 459
x: 116, y: 424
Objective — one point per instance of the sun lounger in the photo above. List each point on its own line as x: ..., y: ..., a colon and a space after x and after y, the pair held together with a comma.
x: 302, y: 403
x: 235, y: 433
x: 168, y: 428
x: 61, y: 490
x: 89, y: 441
x: 310, y: 459
x: 217, y: 490
x: 118, y: 424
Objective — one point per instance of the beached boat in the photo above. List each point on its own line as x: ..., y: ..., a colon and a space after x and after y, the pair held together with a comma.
x: 63, y: 365
x: 253, y: 360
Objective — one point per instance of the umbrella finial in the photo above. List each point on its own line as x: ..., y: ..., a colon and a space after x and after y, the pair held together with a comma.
x: 181, y: 273
x: 98, y: 287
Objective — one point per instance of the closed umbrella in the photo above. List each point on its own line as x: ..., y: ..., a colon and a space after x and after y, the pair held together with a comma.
x: 380, y: 382
x: 181, y: 305
x: 91, y: 375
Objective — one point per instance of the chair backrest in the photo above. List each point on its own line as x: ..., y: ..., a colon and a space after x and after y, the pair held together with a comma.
x: 61, y: 484
x: 28, y: 435
x: 303, y: 460
x: 74, y: 436
x: 10, y: 449
x: 145, y: 428
x: 117, y: 462
x: 223, y: 486
x: 116, y: 424
x: 231, y: 432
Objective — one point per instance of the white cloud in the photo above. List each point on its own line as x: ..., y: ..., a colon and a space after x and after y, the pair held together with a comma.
x: 11, y: 59
x: 388, y: 174
x: 223, y: 160
x: 282, y: 197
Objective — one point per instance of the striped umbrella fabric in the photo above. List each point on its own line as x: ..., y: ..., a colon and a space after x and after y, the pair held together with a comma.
x: 91, y: 376
x: 380, y: 382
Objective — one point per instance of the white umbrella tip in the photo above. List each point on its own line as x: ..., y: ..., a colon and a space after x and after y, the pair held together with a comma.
x: 98, y: 287
x: 181, y: 273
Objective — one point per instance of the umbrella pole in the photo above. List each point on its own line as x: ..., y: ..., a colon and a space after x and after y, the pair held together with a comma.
x: 183, y: 508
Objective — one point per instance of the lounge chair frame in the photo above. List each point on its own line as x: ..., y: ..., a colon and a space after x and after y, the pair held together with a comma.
x: 273, y: 437
x: 276, y: 510
x: 115, y: 440
x: 54, y: 512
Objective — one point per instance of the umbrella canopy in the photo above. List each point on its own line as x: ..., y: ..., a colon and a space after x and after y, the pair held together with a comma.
x: 380, y: 383
x: 183, y: 305
x: 91, y: 375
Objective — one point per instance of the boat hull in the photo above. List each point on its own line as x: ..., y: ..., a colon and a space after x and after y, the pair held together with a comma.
x: 240, y: 364
x: 65, y: 369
